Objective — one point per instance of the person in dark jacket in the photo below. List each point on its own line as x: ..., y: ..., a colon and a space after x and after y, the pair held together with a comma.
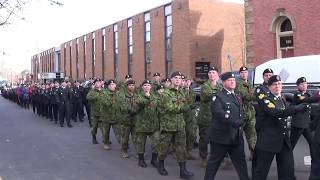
x: 77, y: 102
x: 300, y: 124
x: 226, y: 130
x: 64, y: 100
x: 273, y: 135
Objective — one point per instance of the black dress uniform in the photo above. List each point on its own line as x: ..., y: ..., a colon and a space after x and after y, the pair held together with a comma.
x: 53, y: 110
x: 300, y: 124
x: 86, y: 102
x: 273, y: 137
x: 64, y: 100
x: 226, y: 134
x: 77, y: 104
x: 315, y: 161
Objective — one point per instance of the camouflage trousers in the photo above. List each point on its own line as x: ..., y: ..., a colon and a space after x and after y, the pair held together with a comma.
x: 250, y: 132
x: 126, y: 130
x: 203, y: 145
x: 141, y: 138
x: 116, y: 129
x: 96, y: 123
x: 191, y: 129
x: 178, y: 138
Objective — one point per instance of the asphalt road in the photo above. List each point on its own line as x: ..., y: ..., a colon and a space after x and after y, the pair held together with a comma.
x: 33, y: 148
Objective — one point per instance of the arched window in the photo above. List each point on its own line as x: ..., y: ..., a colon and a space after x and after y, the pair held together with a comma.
x: 284, y: 38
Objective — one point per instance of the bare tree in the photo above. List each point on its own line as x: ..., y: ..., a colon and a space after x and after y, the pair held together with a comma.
x: 10, y: 9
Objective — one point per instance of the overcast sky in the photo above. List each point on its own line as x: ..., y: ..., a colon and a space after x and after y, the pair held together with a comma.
x: 47, y: 26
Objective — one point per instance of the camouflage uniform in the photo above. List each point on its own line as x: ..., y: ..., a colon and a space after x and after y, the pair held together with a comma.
x: 172, y: 124
x: 189, y: 117
x: 110, y: 113
x: 94, y: 97
x: 147, y: 122
x: 205, y: 115
x: 128, y: 110
x: 246, y: 90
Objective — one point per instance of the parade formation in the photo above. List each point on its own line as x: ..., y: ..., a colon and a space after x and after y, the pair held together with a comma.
x: 168, y: 114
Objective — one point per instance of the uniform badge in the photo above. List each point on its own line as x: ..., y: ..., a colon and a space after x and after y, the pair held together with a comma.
x: 271, y: 105
x: 258, y: 90
x: 266, y: 101
x: 261, y: 96
x: 214, y: 98
x: 301, y: 98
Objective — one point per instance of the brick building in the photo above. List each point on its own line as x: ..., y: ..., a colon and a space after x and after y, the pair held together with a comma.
x: 281, y: 28
x: 185, y: 35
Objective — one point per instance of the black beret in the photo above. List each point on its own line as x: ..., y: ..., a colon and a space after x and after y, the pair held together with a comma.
x: 243, y: 68
x: 273, y: 79
x: 110, y: 81
x: 268, y: 70
x: 146, y: 82
x: 130, y: 81
x: 128, y: 76
x: 213, y: 69
x: 156, y: 74
x: 301, y: 80
x: 227, y: 75
x: 165, y: 80
x: 176, y: 73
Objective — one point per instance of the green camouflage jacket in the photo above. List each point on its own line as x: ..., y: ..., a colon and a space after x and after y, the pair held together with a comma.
x: 147, y: 118
x: 94, y: 97
x: 110, y: 106
x: 173, y: 105
x: 128, y: 108
x: 207, y: 92
x: 190, y: 99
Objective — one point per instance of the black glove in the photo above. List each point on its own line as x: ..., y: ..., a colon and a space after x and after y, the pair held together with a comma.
x: 301, y: 107
x: 237, y: 124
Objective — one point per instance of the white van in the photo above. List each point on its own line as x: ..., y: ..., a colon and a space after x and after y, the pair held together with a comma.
x: 290, y: 69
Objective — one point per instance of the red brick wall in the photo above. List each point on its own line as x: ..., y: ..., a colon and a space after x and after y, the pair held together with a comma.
x: 74, y: 60
x: 98, y: 66
x: 62, y: 60
x: 158, y: 41
x: 89, y: 61
x: 123, y: 49
x: 109, y: 58
x: 306, y: 35
x: 138, y: 48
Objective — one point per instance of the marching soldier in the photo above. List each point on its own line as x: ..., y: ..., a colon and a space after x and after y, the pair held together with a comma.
x: 190, y: 119
x: 156, y: 82
x: 208, y: 90
x: 85, y: 101
x: 246, y: 90
x: 94, y: 98
x: 315, y: 160
x: 64, y: 99
x: 273, y: 135
x: 128, y: 111
x: 77, y: 103
x: 172, y: 126
x: 226, y: 130
x: 300, y: 124
x: 110, y: 113
x: 147, y: 123
x: 54, y: 90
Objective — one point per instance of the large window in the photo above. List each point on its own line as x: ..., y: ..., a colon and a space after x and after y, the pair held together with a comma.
x: 77, y: 57
x: 284, y: 38
x: 93, y: 53
x: 168, y: 38
x: 84, y: 56
x: 147, y: 44
x: 130, y: 46
x: 70, y: 58
x: 103, y: 50
x: 116, y: 50
x: 64, y: 57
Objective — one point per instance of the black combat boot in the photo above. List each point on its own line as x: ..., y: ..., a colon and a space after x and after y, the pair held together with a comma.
x: 141, y: 162
x: 184, y: 173
x: 154, y: 161
x: 162, y: 171
x: 94, y: 139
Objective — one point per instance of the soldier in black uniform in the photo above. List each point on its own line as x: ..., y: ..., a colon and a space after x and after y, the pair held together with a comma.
x: 86, y: 104
x: 34, y: 98
x: 226, y: 130
x: 77, y: 102
x: 300, y: 124
x: 53, y: 102
x: 64, y: 100
x: 315, y: 161
x: 273, y: 137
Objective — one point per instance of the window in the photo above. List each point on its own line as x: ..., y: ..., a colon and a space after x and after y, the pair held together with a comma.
x: 116, y: 50
x: 93, y: 53
x: 103, y: 50
x: 147, y: 44
x: 77, y: 57
x: 284, y: 37
x: 130, y: 46
x: 84, y: 56
x: 168, y: 38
